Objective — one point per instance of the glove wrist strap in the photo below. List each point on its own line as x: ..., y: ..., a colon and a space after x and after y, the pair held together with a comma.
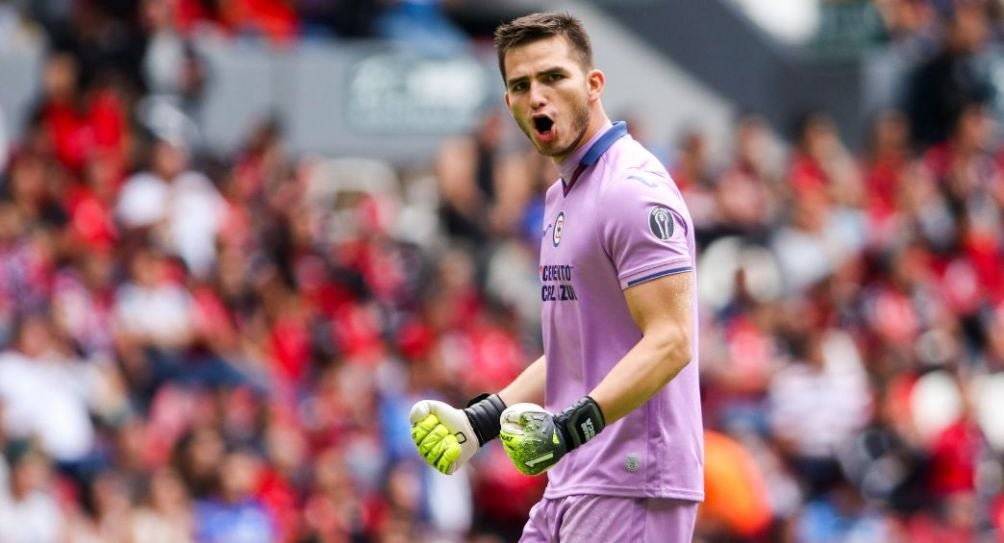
x: 580, y: 422
x: 484, y: 412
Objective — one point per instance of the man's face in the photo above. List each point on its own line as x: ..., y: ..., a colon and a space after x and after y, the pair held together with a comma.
x: 548, y: 94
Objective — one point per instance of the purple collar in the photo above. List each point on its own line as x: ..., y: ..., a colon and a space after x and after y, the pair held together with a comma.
x: 599, y: 146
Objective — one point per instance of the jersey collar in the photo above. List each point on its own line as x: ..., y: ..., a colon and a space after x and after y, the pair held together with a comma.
x: 591, y: 156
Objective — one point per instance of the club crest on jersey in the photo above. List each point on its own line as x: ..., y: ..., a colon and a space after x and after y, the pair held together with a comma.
x: 559, y: 228
x: 660, y: 222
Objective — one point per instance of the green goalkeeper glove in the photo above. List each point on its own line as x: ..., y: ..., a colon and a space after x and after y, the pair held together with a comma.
x: 448, y: 437
x: 535, y: 440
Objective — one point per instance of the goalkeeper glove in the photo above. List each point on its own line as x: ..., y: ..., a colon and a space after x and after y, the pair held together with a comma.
x: 447, y: 437
x: 535, y: 440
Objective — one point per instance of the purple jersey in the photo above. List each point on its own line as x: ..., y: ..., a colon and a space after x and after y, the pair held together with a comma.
x: 619, y: 221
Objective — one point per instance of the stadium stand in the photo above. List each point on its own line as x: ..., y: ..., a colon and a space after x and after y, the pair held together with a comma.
x: 216, y: 337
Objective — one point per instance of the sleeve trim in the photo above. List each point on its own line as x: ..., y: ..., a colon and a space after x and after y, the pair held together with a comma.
x: 656, y: 275
x: 678, y: 261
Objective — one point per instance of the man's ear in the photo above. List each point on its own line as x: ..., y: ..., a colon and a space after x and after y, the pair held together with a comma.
x: 507, y: 104
x: 595, y: 80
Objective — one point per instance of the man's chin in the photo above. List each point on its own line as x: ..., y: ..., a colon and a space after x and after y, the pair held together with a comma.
x: 549, y: 149
x: 543, y: 148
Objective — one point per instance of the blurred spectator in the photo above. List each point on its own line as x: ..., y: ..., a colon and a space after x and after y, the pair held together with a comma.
x: 826, y: 194
x: 286, y: 471
x: 153, y: 318
x: 691, y: 170
x: 905, y: 19
x: 60, y: 109
x: 817, y: 404
x: 481, y: 183
x: 839, y: 516
x: 808, y: 249
x: 106, y: 513
x: 91, y: 204
x: 887, y: 461
x: 25, y: 264
x: 197, y: 457
x: 103, y: 38
x: 171, y: 65
x: 38, y: 361
x: 180, y: 207
x: 955, y: 77
x: 164, y: 515
x: 28, y: 507
x: 884, y: 172
x: 233, y: 514
x: 35, y: 192
x: 822, y: 165
x: 973, y: 186
x: 83, y: 304
x: 333, y: 509
x: 747, y: 193
x: 164, y: 49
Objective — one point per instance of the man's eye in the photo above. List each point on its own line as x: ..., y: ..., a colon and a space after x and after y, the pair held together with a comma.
x: 554, y: 77
x: 518, y: 87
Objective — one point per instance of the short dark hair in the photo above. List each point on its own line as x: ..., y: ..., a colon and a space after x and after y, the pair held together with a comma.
x: 539, y: 26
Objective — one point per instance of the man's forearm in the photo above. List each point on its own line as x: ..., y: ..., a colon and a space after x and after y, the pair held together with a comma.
x: 536, y: 439
x: 528, y: 386
x: 643, y: 371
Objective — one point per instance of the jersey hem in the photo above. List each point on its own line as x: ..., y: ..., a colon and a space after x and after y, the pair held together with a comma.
x: 622, y: 492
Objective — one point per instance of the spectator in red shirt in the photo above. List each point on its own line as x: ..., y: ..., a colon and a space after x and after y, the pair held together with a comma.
x: 822, y: 165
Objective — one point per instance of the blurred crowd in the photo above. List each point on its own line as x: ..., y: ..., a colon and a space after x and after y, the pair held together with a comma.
x: 925, y: 19
x: 211, y: 348
x: 853, y: 313
x: 850, y: 27
x: 125, y: 28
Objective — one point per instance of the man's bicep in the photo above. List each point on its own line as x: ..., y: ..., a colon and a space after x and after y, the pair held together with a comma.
x: 663, y: 304
x: 662, y: 310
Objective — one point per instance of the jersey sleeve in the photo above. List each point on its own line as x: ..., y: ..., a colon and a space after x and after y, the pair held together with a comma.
x: 645, y: 228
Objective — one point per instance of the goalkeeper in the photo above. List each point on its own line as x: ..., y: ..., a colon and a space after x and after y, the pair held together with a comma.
x: 620, y: 431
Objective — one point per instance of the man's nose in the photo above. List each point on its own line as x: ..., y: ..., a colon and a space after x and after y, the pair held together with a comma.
x: 538, y: 96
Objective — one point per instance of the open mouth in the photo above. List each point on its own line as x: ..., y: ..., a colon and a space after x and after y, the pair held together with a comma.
x: 542, y: 124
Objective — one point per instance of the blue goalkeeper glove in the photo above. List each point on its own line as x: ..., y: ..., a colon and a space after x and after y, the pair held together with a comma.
x: 448, y: 437
x: 535, y: 440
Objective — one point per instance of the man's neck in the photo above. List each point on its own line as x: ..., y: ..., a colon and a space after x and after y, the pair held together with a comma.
x: 596, y: 123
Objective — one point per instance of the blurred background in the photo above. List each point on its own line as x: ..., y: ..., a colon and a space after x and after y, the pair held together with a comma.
x: 239, y: 238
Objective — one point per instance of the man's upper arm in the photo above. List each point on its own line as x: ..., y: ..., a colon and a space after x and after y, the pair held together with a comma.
x: 647, y: 235
x: 663, y: 306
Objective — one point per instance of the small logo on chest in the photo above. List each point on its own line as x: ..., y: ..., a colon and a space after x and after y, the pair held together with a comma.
x: 559, y: 229
x: 632, y: 463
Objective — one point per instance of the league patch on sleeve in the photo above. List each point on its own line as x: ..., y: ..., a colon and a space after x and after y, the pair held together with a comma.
x: 660, y: 222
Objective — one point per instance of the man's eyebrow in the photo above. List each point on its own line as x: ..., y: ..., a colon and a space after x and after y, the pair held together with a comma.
x: 512, y: 81
x: 551, y: 70
x: 554, y: 69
